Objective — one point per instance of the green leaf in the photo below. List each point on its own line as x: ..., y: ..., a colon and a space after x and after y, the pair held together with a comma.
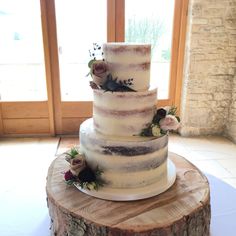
x: 70, y: 182
x: 91, y: 62
x: 178, y: 119
x: 73, y: 152
x: 172, y: 111
x: 98, y: 172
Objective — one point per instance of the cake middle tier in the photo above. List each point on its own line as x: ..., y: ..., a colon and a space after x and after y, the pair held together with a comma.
x: 123, y: 113
x: 126, y: 162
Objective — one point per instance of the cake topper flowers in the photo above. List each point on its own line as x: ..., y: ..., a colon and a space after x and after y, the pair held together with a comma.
x: 164, y: 120
x: 99, y: 72
x: 101, y: 77
x: 80, y: 173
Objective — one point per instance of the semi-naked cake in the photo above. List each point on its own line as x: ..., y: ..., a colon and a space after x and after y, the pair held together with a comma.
x: 133, y: 165
x: 126, y: 61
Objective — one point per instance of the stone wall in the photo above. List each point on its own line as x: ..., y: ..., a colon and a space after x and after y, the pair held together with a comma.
x: 231, y: 125
x: 208, y: 104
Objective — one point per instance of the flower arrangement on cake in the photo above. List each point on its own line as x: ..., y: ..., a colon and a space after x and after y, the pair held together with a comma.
x: 164, y: 120
x: 124, y: 106
x: 80, y: 173
x: 101, y: 77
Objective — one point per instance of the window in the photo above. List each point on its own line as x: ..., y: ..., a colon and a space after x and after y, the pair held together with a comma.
x: 153, y: 25
x: 79, y: 25
x: 21, y: 47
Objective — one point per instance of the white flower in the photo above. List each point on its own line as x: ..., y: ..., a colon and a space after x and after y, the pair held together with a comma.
x: 156, y: 131
x: 170, y: 122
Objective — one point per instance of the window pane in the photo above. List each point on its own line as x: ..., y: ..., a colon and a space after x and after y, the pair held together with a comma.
x: 22, y: 72
x: 151, y: 21
x: 79, y: 25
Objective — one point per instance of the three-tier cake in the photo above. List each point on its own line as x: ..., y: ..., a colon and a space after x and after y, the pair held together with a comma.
x: 134, y: 166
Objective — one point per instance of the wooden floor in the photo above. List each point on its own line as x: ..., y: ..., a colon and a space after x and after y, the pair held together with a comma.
x: 25, y: 161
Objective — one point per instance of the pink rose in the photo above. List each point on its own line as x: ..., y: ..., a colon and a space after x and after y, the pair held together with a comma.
x: 77, y: 164
x: 99, y: 72
x: 170, y: 122
x: 99, y: 68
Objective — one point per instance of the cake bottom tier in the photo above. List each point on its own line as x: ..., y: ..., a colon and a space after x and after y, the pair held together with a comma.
x: 130, y: 163
x: 131, y: 194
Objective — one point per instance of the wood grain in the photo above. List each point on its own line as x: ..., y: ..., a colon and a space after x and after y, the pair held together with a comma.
x: 24, y: 110
x: 71, y: 125
x: 76, y: 109
x: 26, y: 126
x: 182, y: 210
x: 174, y: 49
x: 111, y: 20
x: 47, y: 59
x: 1, y: 121
x: 120, y: 21
x: 181, y: 52
x: 52, y: 61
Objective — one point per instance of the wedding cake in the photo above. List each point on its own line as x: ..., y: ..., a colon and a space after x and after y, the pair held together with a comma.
x: 127, y: 137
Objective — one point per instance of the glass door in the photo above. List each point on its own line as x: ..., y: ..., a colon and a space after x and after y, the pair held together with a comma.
x: 153, y: 25
x: 23, y: 92
x: 21, y: 47
x: 79, y: 25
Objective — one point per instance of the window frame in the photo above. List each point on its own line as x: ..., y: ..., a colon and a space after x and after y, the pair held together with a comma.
x: 116, y: 14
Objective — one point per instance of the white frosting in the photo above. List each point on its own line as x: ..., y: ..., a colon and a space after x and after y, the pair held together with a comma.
x: 123, y: 113
x: 110, y: 140
x: 129, y: 61
x: 135, y: 179
x: 126, y: 163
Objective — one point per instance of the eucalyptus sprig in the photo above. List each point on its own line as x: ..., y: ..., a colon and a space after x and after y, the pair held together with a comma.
x: 172, y: 111
x: 90, y: 63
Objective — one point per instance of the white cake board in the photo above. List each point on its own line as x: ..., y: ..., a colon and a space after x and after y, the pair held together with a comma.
x: 137, y: 193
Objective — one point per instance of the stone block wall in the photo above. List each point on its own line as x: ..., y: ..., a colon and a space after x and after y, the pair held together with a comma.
x: 231, y: 124
x: 208, y: 104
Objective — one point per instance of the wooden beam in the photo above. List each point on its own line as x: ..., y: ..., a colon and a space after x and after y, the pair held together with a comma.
x: 1, y: 121
x: 26, y: 126
x: 24, y: 110
x: 115, y: 20
x: 76, y: 109
x: 111, y: 20
x: 181, y: 52
x: 48, y: 71
x: 174, y: 50
x: 120, y: 21
x: 52, y: 62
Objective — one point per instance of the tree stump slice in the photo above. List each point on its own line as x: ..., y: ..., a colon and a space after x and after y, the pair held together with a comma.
x: 182, y: 210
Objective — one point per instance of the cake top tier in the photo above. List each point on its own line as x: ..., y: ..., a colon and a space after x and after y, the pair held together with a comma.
x: 142, y: 48
x: 129, y: 61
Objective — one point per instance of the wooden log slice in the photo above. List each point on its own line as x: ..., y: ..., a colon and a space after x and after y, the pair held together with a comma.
x: 182, y: 210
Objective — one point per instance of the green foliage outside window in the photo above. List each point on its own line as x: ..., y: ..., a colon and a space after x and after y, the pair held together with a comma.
x: 144, y: 30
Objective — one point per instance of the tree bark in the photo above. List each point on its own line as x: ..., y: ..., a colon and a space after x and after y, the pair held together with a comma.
x: 183, y: 210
